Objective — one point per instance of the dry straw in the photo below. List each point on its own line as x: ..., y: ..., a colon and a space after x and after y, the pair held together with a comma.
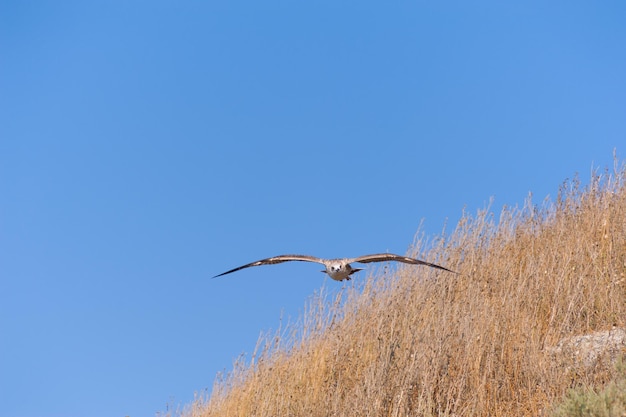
x: 428, y: 343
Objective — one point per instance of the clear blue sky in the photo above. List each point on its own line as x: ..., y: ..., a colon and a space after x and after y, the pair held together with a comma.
x: 147, y: 146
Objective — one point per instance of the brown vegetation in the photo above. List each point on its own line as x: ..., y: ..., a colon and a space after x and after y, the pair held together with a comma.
x: 425, y: 343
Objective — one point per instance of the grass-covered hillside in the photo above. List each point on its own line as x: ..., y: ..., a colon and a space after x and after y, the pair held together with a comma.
x: 423, y: 342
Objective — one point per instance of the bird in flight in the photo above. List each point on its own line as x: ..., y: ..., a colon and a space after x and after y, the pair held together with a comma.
x: 338, y: 269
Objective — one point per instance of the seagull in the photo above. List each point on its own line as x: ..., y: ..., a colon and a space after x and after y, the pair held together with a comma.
x: 338, y: 269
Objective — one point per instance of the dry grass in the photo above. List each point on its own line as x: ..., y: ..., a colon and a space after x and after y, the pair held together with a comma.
x: 428, y: 343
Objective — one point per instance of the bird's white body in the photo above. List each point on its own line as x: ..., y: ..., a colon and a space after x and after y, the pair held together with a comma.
x: 339, y: 269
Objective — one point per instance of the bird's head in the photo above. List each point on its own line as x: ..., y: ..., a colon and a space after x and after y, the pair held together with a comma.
x: 333, y: 268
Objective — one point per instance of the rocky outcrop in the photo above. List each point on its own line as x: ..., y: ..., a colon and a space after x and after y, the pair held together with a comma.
x: 587, y: 350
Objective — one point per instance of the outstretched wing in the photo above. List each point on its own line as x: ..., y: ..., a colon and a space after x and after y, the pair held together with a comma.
x: 384, y: 257
x: 276, y: 260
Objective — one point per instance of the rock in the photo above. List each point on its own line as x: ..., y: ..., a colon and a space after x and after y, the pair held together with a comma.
x: 588, y: 349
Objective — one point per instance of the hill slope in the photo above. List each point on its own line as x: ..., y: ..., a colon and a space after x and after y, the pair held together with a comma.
x: 423, y: 342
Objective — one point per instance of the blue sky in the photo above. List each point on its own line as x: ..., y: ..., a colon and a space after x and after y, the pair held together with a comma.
x: 147, y: 146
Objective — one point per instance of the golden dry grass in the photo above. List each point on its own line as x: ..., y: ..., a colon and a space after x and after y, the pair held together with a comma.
x: 427, y: 343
